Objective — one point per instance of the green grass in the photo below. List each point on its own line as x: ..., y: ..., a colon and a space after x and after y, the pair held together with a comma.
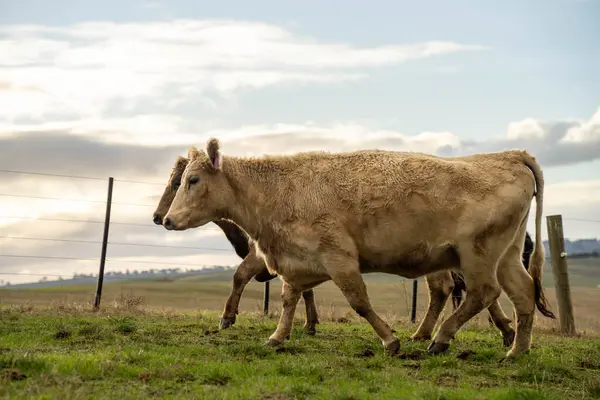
x: 140, y: 354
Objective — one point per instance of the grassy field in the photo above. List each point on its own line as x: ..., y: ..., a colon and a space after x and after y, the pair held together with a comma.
x: 390, y: 295
x: 158, y: 338
x: 136, y: 353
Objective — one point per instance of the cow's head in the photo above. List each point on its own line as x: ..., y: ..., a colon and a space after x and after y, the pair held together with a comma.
x: 169, y: 193
x: 204, y: 194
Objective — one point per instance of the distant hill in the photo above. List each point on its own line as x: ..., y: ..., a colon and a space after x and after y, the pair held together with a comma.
x: 578, y: 247
x: 162, y: 274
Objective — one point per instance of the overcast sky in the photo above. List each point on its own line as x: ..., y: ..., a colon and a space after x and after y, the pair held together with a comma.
x: 120, y: 89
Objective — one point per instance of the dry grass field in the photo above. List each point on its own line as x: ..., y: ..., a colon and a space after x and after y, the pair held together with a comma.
x: 390, y: 295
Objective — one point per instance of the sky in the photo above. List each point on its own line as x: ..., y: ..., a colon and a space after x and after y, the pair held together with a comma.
x: 113, y: 88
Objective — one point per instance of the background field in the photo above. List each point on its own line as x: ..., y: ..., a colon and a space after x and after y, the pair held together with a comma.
x: 390, y: 295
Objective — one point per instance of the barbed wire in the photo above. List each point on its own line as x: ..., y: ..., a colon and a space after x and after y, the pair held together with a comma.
x: 207, y: 228
x: 75, y: 200
x: 10, y: 171
x: 97, y: 259
x: 581, y: 220
x: 112, y: 243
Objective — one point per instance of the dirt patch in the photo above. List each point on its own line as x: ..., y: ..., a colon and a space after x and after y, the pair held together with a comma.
x: 213, y: 332
x: 144, y: 376
x: 465, y: 354
x: 589, y: 364
x: 13, y: 375
x: 62, y: 334
x: 447, y: 380
x: 366, y: 353
x: 289, y: 350
x: 413, y: 355
x: 275, y: 396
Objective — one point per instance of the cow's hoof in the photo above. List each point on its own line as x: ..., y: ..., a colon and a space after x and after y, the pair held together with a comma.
x: 438, y: 348
x: 310, y: 330
x: 393, y: 347
x: 508, y: 338
x: 273, y: 343
x: 420, y: 338
x: 226, y: 323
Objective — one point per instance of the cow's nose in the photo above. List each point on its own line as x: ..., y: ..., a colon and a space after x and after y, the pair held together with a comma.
x: 168, y: 223
x: 157, y: 219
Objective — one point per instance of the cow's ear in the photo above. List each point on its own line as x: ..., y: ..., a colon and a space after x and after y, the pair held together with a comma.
x: 193, y: 153
x: 180, y: 163
x: 214, y: 154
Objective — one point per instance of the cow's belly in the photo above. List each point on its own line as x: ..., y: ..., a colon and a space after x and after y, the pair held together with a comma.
x: 418, y: 261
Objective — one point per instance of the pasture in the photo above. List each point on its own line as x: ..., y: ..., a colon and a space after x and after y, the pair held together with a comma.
x: 159, y: 338
x: 130, y: 352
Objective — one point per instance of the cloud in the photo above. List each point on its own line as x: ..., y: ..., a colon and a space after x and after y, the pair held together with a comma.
x: 60, y: 74
x: 554, y: 143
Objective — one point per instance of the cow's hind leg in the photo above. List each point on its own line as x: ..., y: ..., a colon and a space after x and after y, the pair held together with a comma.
x: 345, y: 273
x: 502, y: 322
x: 440, y: 285
x: 518, y: 285
x: 479, y: 274
x: 289, y: 298
x: 244, y: 273
x: 312, y: 317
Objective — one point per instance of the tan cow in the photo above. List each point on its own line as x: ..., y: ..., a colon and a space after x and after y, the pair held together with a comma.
x: 319, y: 216
x: 440, y: 284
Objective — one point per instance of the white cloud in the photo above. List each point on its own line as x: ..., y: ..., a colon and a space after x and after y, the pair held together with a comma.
x: 587, y: 131
x: 77, y: 70
x: 527, y: 129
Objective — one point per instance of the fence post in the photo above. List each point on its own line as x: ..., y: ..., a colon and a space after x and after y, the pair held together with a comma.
x: 104, y: 245
x: 266, y: 298
x: 413, y: 311
x: 558, y: 255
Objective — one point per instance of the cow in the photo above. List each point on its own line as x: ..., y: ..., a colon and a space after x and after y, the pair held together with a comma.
x: 319, y: 216
x: 459, y: 283
x: 440, y: 284
x: 252, y: 266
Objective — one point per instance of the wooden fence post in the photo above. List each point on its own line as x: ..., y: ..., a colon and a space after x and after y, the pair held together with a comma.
x: 104, y: 245
x: 413, y: 311
x: 266, y: 298
x: 561, y: 275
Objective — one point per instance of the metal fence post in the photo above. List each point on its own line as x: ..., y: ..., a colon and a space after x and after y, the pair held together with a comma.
x: 266, y: 298
x: 413, y: 311
x: 104, y: 245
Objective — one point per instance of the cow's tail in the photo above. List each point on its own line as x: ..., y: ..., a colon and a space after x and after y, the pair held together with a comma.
x: 536, y: 260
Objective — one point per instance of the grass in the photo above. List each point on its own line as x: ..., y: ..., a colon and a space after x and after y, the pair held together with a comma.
x: 139, y: 353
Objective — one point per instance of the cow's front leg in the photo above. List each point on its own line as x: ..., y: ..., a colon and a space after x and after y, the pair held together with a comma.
x: 289, y: 298
x: 248, y: 268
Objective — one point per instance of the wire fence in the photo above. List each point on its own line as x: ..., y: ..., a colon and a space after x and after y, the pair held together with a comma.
x: 412, y: 294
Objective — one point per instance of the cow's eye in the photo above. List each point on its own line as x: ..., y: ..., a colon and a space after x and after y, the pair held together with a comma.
x: 194, y: 179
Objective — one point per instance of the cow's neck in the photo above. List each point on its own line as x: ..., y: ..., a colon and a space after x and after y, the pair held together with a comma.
x: 254, y: 185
